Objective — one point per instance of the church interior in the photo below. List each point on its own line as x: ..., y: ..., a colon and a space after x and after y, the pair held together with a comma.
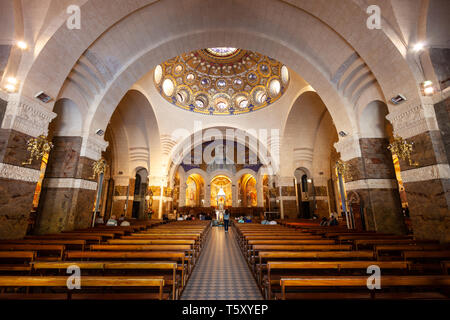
x: 224, y: 150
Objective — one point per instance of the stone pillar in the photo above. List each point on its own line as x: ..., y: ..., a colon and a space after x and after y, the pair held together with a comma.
x: 322, y: 202
x: 69, y: 190
x: 427, y: 185
x: 373, y: 179
x: 24, y: 119
x: 120, y: 198
x: 207, y: 196
x: 182, y: 195
x: 288, y: 199
x: 260, y: 193
x: 157, y: 184
x: 234, y: 196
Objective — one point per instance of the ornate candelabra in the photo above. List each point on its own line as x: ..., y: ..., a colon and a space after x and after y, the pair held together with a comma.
x: 98, y: 167
x: 402, y: 149
x: 38, y: 147
x: 343, y: 169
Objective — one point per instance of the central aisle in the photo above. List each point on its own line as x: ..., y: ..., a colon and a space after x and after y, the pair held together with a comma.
x: 221, y: 272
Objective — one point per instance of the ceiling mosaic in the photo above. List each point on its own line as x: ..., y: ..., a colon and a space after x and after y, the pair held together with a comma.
x: 221, y: 81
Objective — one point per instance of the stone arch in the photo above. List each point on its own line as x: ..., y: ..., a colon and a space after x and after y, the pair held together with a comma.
x: 372, y: 120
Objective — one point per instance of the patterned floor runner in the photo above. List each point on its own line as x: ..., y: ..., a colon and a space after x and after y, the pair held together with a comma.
x: 221, y: 272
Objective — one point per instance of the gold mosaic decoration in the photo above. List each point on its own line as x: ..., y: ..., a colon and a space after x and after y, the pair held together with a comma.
x: 221, y: 81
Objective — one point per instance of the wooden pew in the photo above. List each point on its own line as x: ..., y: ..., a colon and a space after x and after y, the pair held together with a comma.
x: 360, y: 282
x: 363, y: 243
x: 273, y: 279
x: 38, y: 248
x: 265, y: 256
x: 180, y: 257
x: 379, y: 249
x: 283, y: 247
x: 110, y: 265
x: 86, y: 281
x: 13, y: 261
x: 69, y: 243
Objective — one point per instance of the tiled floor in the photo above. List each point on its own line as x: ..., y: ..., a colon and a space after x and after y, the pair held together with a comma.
x: 221, y: 272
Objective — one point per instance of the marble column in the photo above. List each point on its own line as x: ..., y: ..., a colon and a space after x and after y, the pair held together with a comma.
x: 287, y: 197
x: 207, y: 196
x: 23, y: 119
x: 235, y: 196
x: 322, y: 201
x: 372, y: 178
x: 260, y: 193
x: 427, y: 184
x: 69, y: 188
x: 121, y: 195
x: 182, y: 195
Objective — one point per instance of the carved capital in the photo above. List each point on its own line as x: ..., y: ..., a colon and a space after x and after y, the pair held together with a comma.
x: 27, y: 116
x: 92, y: 147
x: 409, y: 121
x: 348, y: 147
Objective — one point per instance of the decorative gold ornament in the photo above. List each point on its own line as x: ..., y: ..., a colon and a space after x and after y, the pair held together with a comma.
x: 402, y: 149
x: 98, y: 167
x: 38, y: 147
x: 343, y: 169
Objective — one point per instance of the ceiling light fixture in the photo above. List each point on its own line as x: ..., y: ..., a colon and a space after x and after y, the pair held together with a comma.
x: 427, y: 88
x: 10, y: 87
x: 12, y: 80
x: 419, y: 46
x: 22, y: 45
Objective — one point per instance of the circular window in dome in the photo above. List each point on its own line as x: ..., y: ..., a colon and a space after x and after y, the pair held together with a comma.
x: 259, y: 95
x: 201, y: 101
x: 168, y: 87
x: 183, y: 95
x: 205, y: 82
x: 178, y: 69
x: 221, y: 102
x: 221, y: 84
x: 158, y: 74
x: 240, y: 101
x: 274, y: 87
x: 264, y: 69
x: 284, y: 75
x: 190, y: 78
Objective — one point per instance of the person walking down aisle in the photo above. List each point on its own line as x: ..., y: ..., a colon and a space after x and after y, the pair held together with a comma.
x: 226, y: 219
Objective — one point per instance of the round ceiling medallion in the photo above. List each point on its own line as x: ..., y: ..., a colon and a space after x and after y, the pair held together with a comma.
x: 222, y: 51
x: 204, y: 81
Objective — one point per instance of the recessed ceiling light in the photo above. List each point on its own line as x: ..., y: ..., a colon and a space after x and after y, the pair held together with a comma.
x: 12, y: 80
x: 419, y: 46
x: 10, y: 87
x: 22, y: 45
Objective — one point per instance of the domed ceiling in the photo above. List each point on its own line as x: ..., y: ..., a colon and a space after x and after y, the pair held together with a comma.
x: 221, y: 81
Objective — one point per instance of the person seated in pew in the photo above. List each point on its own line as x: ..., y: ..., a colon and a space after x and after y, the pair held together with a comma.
x: 125, y: 223
x: 333, y: 221
x: 99, y: 220
x: 273, y: 222
x: 324, y: 221
x: 112, y: 221
x: 122, y: 217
